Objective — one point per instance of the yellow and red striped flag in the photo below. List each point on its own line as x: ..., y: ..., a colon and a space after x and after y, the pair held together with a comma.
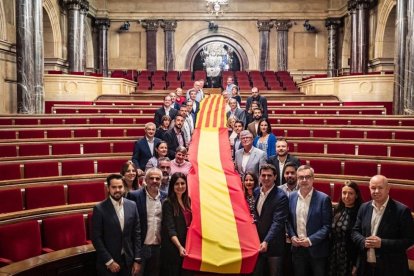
x: 222, y: 237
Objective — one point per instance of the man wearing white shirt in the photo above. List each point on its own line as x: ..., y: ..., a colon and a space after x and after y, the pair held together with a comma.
x: 199, y: 92
x: 309, y: 225
x: 383, y: 231
x: 116, y: 232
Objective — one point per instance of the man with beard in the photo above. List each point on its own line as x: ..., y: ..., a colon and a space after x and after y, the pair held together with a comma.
x: 149, y: 201
x: 116, y: 232
x: 164, y: 164
x: 260, y: 99
x: 175, y: 136
x: 281, y: 158
x: 253, y: 126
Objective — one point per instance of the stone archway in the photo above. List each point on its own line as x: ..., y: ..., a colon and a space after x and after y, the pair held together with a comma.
x: 383, y: 16
x: 56, y: 35
x: 3, y: 31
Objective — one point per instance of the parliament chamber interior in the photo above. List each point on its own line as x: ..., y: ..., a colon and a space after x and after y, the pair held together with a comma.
x: 80, y: 79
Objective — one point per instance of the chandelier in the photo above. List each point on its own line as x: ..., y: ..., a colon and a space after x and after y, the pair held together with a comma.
x: 216, y: 7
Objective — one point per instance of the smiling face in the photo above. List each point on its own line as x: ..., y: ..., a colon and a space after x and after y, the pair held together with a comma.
x: 290, y: 175
x: 162, y: 150
x: 153, y: 181
x: 130, y: 174
x: 379, y: 188
x: 116, y: 189
x: 180, y: 186
x: 150, y: 131
x: 305, y: 180
x: 248, y: 182
x: 282, y: 148
x: 267, y: 178
x: 348, y: 196
x: 263, y: 127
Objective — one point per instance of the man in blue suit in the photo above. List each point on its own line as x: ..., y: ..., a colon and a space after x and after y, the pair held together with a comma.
x: 271, y: 213
x: 116, y: 232
x: 149, y: 201
x: 383, y: 231
x: 310, y: 218
x: 144, y: 148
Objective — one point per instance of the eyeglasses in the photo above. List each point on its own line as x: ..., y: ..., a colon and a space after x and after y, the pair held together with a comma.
x: 305, y: 177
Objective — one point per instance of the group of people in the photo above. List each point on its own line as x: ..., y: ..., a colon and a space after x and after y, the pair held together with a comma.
x: 141, y: 228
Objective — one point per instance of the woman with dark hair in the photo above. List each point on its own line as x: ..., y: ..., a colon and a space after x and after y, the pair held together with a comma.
x: 165, y: 124
x: 250, y: 182
x: 343, y: 251
x: 236, y: 94
x: 176, y: 218
x: 130, y: 176
x: 160, y: 150
x: 265, y: 139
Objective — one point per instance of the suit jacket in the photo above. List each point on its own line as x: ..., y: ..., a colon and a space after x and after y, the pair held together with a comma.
x: 171, y: 138
x: 140, y: 198
x: 240, y: 115
x: 257, y: 158
x: 172, y: 226
x: 161, y: 112
x: 272, y: 220
x: 396, y: 231
x: 234, y: 149
x: 142, y: 152
x: 108, y: 238
x: 263, y: 103
x: 318, y: 224
x: 197, y: 107
x: 275, y: 162
x: 251, y: 127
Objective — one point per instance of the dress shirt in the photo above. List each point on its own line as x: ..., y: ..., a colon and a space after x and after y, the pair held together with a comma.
x: 119, y: 210
x: 179, y: 137
x: 190, y: 122
x: 153, y: 220
x: 281, y: 167
x: 377, y: 214
x: 151, y: 145
x: 187, y: 132
x: 262, y: 199
x: 167, y: 110
x: 302, y: 210
x: 245, y: 160
x: 286, y: 189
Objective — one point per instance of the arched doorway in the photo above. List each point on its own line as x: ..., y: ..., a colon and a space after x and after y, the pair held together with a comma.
x: 214, y: 55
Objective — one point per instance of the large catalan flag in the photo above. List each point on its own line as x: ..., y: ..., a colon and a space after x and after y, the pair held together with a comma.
x: 222, y: 237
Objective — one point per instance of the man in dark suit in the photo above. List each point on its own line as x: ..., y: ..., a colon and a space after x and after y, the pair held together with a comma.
x: 383, y: 231
x: 258, y: 98
x: 236, y: 112
x: 148, y: 201
x: 144, y: 148
x: 238, y: 128
x: 310, y: 219
x: 272, y: 209
x: 175, y: 136
x: 281, y: 158
x: 253, y: 126
x: 249, y: 158
x: 166, y: 109
x: 116, y: 232
x: 196, y: 104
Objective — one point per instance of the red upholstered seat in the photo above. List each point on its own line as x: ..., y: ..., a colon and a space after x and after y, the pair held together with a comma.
x: 324, y: 187
x: 372, y: 150
x: 100, y: 147
x: 41, y: 169
x: 173, y: 84
x: 76, y: 121
x: 65, y: 148
x: 398, y: 170
x: 310, y: 147
x: 379, y: 134
x: 403, y: 195
x: 328, y: 133
x: 19, y: 241
x: 7, y: 134
x: 112, y: 132
x: 33, y: 149
x: 326, y: 166
x: 341, y: 148
x: 110, y: 165
x: 73, y: 167
x: 86, y: 192
x: 10, y: 171
x: 351, y: 133
x: 404, y: 135
x: 298, y: 133
x: 44, y: 196
x: 159, y: 85
x: 59, y: 133
x: 101, y: 121
x: 8, y: 150
x: 86, y: 133
x: 124, y: 146
x: 360, y: 168
x: 29, y: 134
x: 11, y: 200
x: 402, y: 150
x: 121, y: 120
x: 135, y: 132
x: 26, y: 121
x: 63, y: 232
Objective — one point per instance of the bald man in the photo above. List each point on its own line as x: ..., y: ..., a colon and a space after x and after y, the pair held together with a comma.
x: 383, y: 231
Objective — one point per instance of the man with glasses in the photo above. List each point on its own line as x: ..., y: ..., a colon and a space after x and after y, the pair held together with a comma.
x: 149, y: 201
x: 249, y: 158
x: 383, y: 231
x: 309, y: 225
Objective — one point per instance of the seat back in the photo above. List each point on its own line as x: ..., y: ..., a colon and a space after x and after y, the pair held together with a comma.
x: 86, y: 192
x: 11, y: 200
x: 44, y: 196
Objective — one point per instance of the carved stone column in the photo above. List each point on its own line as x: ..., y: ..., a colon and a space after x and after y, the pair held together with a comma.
x: 38, y: 58
x: 103, y: 25
x: 82, y: 34
x: 409, y: 61
x: 399, y: 59
x: 25, y: 57
x: 151, y: 27
x: 169, y: 27
x: 264, y: 27
x: 354, y: 36
x: 363, y: 35
x: 73, y: 7
x: 332, y: 24
x: 282, y: 27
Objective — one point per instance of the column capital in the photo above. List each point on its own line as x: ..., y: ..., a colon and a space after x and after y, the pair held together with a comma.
x: 72, y: 4
x: 84, y: 6
x: 283, y: 25
x: 352, y: 4
x: 103, y: 23
x: 264, y: 25
x: 334, y: 22
x: 169, y: 25
x: 150, y: 25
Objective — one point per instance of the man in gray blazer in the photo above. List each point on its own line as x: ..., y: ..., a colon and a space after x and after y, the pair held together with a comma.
x: 116, y: 232
x: 236, y: 112
x: 249, y: 158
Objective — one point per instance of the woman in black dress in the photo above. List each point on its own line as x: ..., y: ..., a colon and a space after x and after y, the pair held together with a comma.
x: 250, y: 182
x: 343, y: 251
x: 176, y: 218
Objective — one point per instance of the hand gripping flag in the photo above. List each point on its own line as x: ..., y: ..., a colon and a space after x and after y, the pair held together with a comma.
x: 222, y: 237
